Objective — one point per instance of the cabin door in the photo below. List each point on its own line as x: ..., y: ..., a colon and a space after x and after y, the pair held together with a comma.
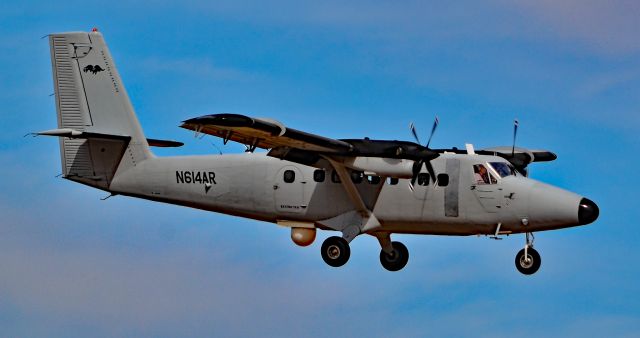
x: 288, y: 189
x: 485, y: 187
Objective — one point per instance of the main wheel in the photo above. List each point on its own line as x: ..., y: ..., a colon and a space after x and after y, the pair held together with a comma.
x: 530, y: 264
x: 397, y: 259
x: 335, y: 251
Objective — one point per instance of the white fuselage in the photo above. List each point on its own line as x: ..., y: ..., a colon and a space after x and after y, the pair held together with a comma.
x: 253, y: 186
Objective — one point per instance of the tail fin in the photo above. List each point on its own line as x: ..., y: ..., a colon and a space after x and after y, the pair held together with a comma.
x: 91, y: 99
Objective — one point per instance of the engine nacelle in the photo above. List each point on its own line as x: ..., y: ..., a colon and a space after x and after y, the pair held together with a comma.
x: 303, y: 236
x: 380, y: 166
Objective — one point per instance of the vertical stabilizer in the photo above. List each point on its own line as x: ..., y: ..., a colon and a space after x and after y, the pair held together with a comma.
x: 91, y: 98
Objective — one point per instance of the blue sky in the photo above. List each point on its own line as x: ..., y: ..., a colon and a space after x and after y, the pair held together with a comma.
x: 72, y: 265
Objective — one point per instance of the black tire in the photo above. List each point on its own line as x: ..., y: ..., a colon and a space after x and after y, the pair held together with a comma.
x: 528, y: 268
x: 335, y: 251
x: 397, y: 260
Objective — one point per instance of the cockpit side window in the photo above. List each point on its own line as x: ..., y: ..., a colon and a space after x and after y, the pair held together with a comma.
x: 503, y: 169
x: 482, y: 175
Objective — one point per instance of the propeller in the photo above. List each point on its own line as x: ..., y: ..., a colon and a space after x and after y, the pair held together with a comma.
x: 427, y: 157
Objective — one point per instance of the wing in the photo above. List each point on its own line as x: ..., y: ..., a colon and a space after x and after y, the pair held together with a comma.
x: 263, y: 133
x: 522, y: 155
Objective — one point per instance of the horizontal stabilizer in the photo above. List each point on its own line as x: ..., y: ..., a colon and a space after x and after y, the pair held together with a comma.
x: 72, y: 133
x: 164, y: 143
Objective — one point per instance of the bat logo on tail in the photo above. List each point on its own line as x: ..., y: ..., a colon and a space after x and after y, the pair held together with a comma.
x: 91, y: 68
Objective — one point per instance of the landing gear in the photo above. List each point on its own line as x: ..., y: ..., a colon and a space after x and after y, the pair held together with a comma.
x: 397, y: 259
x: 335, y: 251
x: 528, y: 259
x: 393, y: 255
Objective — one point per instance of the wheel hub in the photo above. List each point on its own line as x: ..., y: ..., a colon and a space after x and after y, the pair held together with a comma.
x: 393, y: 256
x: 333, y: 252
x: 526, y: 261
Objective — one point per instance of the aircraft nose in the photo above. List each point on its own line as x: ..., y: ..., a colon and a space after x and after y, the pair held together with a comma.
x: 588, y: 211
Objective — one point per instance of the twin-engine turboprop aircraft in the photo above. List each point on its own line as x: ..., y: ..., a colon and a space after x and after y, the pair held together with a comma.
x: 304, y: 181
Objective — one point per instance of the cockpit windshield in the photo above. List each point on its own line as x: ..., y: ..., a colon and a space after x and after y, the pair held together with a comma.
x: 503, y: 169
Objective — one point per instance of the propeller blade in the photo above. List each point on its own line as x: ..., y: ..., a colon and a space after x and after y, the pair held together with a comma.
x: 433, y: 130
x: 428, y: 155
x: 413, y: 131
x: 432, y: 172
x: 515, y: 132
x: 417, y: 166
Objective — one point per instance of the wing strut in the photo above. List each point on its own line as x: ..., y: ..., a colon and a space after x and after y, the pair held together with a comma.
x: 368, y: 219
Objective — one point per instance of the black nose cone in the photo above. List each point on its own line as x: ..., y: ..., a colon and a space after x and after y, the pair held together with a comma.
x: 587, y: 211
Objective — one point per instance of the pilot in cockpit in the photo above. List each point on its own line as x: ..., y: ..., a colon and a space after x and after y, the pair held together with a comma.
x: 481, y: 174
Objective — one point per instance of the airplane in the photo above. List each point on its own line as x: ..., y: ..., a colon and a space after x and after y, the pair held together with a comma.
x: 304, y: 181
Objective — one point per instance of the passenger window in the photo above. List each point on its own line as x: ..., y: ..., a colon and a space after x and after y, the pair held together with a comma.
x: 318, y: 175
x: 356, y: 176
x: 334, y: 177
x: 372, y: 179
x: 443, y: 180
x: 393, y: 180
x: 423, y: 179
x: 482, y: 175
x: 289, y: 176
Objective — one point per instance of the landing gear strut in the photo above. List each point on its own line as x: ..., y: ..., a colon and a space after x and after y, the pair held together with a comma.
x: 528, y: 259
x: 335, y: 251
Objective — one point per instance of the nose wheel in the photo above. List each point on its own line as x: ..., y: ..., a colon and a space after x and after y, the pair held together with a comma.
x: 528, y: 260
x: 335, y: 251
